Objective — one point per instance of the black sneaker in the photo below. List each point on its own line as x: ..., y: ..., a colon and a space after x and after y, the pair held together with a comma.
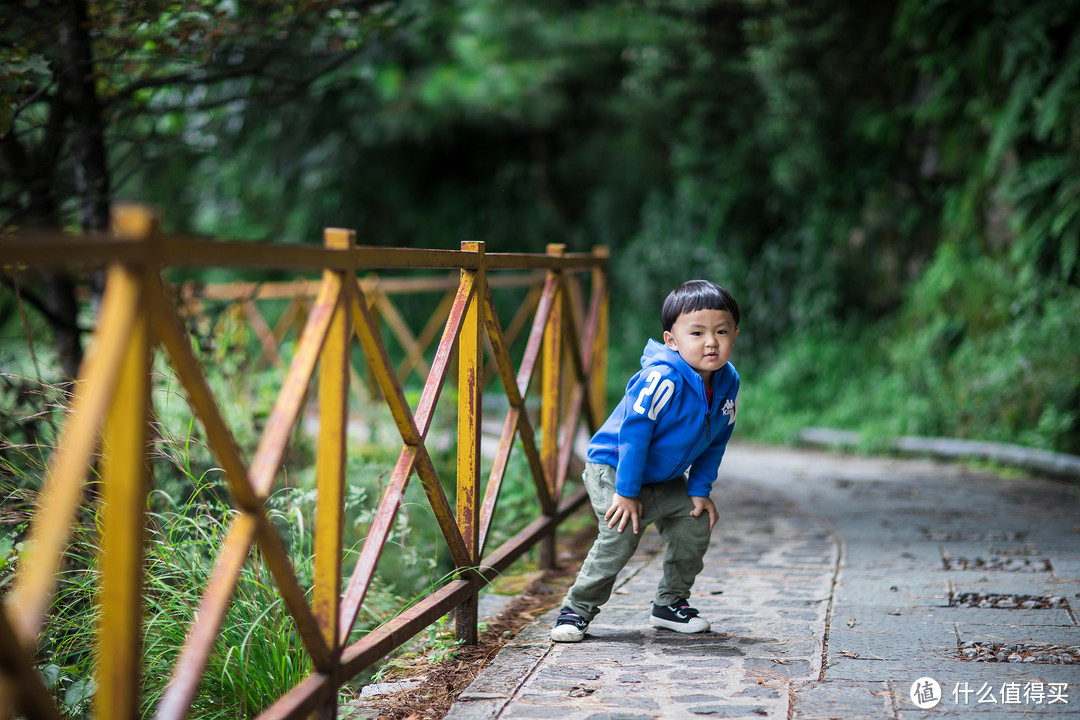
x: 570, y: 627
x: 678, y: 616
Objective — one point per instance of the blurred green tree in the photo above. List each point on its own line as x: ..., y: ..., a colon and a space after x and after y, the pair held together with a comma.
x: 838, y: 165
x: 82, y: 83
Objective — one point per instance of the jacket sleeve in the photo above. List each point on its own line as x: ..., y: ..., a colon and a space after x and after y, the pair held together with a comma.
x: 706, y: 466
x: 647, y: 399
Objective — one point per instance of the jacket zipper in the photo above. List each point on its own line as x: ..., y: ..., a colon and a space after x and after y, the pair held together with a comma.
x: 708, y: 436
x: 708, y: 417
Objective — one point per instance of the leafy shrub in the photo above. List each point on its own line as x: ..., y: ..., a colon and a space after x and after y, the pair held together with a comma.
x: 975, y: 355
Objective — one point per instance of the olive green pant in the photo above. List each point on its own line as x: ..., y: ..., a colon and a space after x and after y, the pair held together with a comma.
x: 664, y: 504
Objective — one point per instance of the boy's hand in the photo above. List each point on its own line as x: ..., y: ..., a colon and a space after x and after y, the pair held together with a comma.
x: 708, y: 506
x: 624, y: 509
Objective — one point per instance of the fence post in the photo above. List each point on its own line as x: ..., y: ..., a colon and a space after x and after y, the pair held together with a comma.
x: 330, y: 461
x: 126, y: 451
x: 598, y: 363
x: 470, y: 387
x: 550, y: 411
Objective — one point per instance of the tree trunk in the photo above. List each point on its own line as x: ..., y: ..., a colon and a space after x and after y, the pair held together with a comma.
x: 58, y: 294
x: 84, y: 113
x: 81, y: 110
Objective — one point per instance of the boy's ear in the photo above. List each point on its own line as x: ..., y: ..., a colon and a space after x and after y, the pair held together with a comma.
x: 669, y: 340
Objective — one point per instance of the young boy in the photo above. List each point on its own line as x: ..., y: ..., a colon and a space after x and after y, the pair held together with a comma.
x: 655, y: 459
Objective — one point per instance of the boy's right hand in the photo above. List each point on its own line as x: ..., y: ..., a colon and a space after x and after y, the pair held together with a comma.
x: 623, y: 509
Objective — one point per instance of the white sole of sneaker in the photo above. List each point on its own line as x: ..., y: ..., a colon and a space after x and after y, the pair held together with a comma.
x: 693, y: 625
x: 566, y: 633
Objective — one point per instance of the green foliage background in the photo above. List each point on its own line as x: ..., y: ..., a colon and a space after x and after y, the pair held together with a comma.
x: 891, y: 190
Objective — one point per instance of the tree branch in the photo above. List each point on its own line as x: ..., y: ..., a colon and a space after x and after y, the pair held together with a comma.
x: 35, y: 300
x: 204, y: 76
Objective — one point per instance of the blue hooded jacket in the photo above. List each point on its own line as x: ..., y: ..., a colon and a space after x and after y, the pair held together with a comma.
x: 663, y: 425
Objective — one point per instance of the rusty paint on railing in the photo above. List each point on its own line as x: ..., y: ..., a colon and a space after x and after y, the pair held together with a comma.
x: 139, y: 316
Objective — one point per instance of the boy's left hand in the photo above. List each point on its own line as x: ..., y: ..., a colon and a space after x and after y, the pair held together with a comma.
x: 707, y: 505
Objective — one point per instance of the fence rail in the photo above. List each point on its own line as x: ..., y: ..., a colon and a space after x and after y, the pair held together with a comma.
x: 240, y: 304
x: 140, y: 316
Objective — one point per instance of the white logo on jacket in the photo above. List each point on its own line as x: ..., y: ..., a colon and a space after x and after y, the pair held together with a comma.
x: 730, y: 408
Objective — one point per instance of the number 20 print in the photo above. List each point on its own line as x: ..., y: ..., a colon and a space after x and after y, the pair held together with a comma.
x: 660, y: 396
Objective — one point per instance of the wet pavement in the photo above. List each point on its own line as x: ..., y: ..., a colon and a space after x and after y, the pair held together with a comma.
x: 837, y: 587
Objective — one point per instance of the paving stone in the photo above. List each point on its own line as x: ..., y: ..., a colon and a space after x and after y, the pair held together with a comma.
x: 787, y: 668
x: 537, y: 711
x: 754, y: 640
x: 683, y: 674
x: 696, y: 662
x: 647, y: 668
x: 1003, y: 618
x: 731, y: 711
x: 794, y: 647
x: 842, y: 699
x: 712, y: 651
x: 696, y: 698
x: 758, y: 691
x: 554, y: 686
x: 569, y: 672
x: 637, y: 702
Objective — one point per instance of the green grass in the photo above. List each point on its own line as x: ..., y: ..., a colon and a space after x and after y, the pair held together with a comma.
x: 258, y: 655
x: 980, y: 369
x: 248, y: 668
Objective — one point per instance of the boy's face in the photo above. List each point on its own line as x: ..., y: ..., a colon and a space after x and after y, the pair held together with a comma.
x: 704, y: 339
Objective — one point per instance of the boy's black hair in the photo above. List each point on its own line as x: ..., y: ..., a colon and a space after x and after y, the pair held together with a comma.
x: 695, y: 295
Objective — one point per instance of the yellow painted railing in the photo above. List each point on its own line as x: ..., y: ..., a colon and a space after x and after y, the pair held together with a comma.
x: 109, y: 411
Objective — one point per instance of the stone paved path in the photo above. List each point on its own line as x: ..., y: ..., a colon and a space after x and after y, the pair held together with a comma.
x: 828, y: 585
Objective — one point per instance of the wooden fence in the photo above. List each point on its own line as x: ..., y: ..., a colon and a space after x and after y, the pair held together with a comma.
x: 109, y: 411
x: 239, y: 305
